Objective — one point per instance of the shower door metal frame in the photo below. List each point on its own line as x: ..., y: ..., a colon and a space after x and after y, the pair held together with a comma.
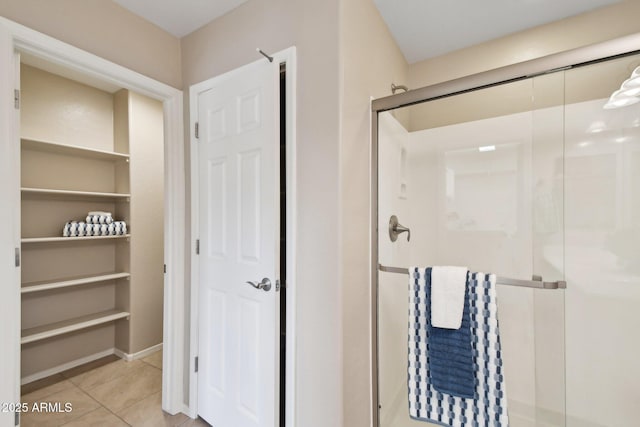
x: 624, y: 46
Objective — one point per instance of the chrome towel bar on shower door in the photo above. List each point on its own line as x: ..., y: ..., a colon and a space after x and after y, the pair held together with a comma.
x: 536, y: 283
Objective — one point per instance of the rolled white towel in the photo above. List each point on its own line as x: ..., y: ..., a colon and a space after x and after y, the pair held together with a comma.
x: 118, y: 228
x: 67, y: 230
x: 99, y: 217
x: 99, y: 213
x: 84, y: 229
x: 73, y: 229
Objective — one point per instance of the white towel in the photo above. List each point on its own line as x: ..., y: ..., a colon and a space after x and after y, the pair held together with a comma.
x: 100, y: 213
x: 99, y: 217
x: 447, y: 296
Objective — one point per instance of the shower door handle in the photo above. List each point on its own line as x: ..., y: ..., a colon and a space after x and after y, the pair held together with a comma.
x: 395, y: 228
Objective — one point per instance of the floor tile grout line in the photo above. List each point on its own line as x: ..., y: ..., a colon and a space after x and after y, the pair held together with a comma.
x: 151, y: 364
x: 86, y: 391
x: 66, y: 377
x: 49, y: 378
x: 121, y: 375
x: 51, y: 393
x: 148, y: 363
x: 118, y: 416
x: 97, y: 409
x: 99, y: 363
x: 81, y: 415
x: 119, y: 378
x: 138, y: 401
x: 90, y: 397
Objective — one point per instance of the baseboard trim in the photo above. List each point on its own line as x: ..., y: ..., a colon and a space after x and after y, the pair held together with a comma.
x: 139, y: 355
x: 65, y: 366
x: 69, y: 365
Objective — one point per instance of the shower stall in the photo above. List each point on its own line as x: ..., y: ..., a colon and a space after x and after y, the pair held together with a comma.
x: 531, y: 172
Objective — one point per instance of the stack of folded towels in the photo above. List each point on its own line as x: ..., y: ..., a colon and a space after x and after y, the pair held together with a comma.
x: 455, y: 359
x: 97, y: 223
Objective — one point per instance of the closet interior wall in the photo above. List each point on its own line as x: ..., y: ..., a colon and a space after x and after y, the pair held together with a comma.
x: 86, y: 149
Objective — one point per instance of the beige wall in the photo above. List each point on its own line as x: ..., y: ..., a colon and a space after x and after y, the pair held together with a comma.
x: 105, y: 29
x: 146, y: 142
x: 371, y: 61
x: 312, y: 27
x: 589, y: 28
x: 60, y: 110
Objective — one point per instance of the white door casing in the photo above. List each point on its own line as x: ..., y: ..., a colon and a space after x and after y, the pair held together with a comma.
x: 238, y: 209
x: 15, y: 37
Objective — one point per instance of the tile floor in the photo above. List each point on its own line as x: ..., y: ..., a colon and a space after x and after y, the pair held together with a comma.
x: 106, y: 393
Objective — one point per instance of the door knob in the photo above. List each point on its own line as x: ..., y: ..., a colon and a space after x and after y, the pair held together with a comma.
x: 265, y: 284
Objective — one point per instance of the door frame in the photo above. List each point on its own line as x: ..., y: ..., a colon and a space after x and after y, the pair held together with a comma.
x: 288, y: 57
x: 16, y: 37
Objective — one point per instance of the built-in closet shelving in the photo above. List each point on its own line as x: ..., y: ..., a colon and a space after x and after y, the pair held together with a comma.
x: 73, y: 193
x: 86, y: 297
x: 75, y: 290
x: 70, y: 239
x: 46, y: 285
x: 70, y: 325
x: 83, y: 201
x: 56, y: 148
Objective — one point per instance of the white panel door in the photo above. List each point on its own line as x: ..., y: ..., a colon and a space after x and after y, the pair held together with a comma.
x: 238, y: 152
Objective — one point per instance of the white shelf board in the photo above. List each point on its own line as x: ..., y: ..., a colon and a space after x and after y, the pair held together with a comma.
x: 74, y: 193
x: 71, y: 150
x: 71, y: 281
x: 70, y: 239
x: 71, y: 325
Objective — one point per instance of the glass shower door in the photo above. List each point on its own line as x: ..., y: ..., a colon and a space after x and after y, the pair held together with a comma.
x: 478, y: 178
x: 602, y: 246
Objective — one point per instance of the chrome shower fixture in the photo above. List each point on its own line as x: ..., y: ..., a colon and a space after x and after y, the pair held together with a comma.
x: 395, y: 229
x: 395, y: 88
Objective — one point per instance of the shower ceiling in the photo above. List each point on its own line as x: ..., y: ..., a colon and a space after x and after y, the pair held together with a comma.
x: 428, y: 28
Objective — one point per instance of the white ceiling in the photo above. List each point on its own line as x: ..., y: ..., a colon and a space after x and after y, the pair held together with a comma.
x: 422, y: 28
x: 428, y: 28
x: 180, y: 17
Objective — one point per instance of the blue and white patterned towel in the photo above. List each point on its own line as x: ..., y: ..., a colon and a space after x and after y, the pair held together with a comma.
x: 82, y: 229
x: 451, y: 366
x: 99, y: 217
x: 489, y: 408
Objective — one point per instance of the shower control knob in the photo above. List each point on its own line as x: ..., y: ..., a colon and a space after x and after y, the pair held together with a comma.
x: 395, y: 229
